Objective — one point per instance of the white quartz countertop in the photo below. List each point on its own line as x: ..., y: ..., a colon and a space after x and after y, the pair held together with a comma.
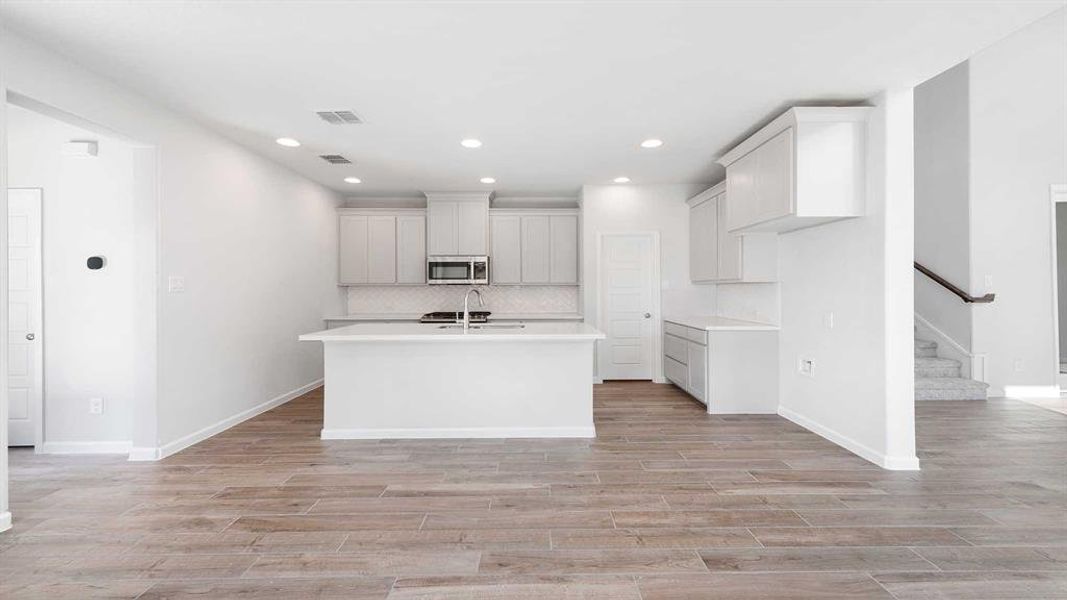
x: 428, y: 332
x: 359, y: 317
x: 712, y: 323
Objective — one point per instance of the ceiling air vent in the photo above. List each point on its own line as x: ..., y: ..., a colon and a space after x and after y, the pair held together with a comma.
x: 340, y: 117
x: 335, y: 159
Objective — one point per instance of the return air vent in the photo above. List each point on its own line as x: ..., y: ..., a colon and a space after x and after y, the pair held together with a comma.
x: 335, y: 159
x: 340, y: 117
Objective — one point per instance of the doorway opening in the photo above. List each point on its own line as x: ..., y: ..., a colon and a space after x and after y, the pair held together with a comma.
x: 82, y: 281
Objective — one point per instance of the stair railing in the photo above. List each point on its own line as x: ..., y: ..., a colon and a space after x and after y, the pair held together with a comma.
x: 969, y: 299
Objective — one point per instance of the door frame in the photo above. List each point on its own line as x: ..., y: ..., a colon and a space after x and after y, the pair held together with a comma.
x: 37, y: 407
x: 657, y: 321
x: 1057, y: 195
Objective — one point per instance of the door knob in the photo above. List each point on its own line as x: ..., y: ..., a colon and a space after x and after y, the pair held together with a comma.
x: 648, y: 315
x: 30, y: 336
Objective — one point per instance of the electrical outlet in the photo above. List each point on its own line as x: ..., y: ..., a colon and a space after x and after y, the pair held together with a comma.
x: 175, y: 284
x: 96, y: 406
x: 828, y: 320
x: 806, y: 367
x: 1019, y: 365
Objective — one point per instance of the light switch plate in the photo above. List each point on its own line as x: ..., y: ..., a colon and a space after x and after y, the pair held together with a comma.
x: 806, y: 367
x: 175, y: 284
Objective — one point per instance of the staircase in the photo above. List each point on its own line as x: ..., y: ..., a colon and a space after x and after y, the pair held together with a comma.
x: 939, y: 378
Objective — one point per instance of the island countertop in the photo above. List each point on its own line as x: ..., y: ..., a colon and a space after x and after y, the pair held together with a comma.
x: 435, y: 332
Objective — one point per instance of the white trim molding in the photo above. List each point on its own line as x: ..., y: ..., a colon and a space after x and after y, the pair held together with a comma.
x: 459, y: 432
x: 972, y: 366
x: 892, y: 463
x: 5, y: 520
x: 146, y: 453
x: 107, y: 447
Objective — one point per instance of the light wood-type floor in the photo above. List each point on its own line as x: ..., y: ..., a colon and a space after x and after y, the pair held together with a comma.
x: 667, y: 502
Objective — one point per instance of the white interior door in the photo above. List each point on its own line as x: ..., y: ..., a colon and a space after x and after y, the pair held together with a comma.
x: 25, y: 381
x: 627, y: 289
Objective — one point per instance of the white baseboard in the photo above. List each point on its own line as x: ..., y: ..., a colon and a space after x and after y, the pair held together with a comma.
x: 894, y: 463
x: 114, y: 447
x: 5, y: 520
x: 1032, y: 391
x: 459, y: 432
x: 597, y: 380
x: 144, y: 453
x: 184, y: 442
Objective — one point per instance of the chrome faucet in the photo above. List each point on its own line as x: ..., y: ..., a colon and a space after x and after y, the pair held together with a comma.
x: 466, y: 307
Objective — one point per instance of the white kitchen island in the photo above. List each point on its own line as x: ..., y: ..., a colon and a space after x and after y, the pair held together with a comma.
x: 425, y: 380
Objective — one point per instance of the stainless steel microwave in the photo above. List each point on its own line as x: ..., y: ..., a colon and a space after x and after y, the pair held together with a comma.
x: 458, y: 270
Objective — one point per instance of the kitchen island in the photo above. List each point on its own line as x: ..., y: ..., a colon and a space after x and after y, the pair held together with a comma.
x: 424, y: 380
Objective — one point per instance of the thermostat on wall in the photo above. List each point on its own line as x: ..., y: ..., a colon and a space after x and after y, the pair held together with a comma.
x: 82, y: 148
x: 96, y: 262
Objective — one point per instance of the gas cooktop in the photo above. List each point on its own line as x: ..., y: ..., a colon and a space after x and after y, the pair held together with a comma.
x: 477, y: 316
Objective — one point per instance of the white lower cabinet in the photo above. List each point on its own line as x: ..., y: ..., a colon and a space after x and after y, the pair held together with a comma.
x: 731, y: 371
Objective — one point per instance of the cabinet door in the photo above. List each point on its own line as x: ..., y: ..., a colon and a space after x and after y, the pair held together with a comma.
x: 564, y: 248
x: 698, y: 372
x: 703, y: 233
x: 442, y: 221
x: 472, y: 220
x: 381, y: 249
x: 536, y: 251
x: 675, y: 372
x: 729, y: 247
x: 741, y: 190
x: 774, y: 176
x: 352, y: 262
x: 411, y: 249
x: 505, y: 259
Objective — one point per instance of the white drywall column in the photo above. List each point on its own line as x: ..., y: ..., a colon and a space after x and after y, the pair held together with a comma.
x: 145, y: 430
x: 892, y: 142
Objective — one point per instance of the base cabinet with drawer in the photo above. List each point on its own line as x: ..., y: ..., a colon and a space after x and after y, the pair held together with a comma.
x: 731, y: 371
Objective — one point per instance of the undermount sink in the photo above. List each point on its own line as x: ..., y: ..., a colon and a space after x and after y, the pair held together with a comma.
x: 485, y: 326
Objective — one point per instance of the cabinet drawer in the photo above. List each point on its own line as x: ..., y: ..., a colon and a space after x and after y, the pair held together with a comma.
x: 697, y: 335
x: 675, y: 329
x: 676, y: 372
x: 675, y: 347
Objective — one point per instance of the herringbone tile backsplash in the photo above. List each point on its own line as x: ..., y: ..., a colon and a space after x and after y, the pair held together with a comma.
x: 427, y: 298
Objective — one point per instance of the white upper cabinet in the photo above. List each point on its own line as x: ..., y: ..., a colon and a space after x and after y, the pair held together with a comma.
x: 505, y: 254
x: 457, y: 224
x: 534, y: 246
x: 536, y: 249
x: 411, y: 249
x: 717, y: 255
x: 563, y: 231
x: 805, y: 168
x: 352, y: 260
x: 382, y: 247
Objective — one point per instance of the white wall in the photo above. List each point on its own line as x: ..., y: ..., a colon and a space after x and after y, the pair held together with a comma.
x: 633, y: 208
x: 942, y: 200
x: 255, y: 243
x: 89, y: 315
x: 862, y: 395
x: 1018, y: 128
x: 1061, y: 275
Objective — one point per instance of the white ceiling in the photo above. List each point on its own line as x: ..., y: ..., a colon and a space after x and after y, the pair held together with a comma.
x: 560, y: 93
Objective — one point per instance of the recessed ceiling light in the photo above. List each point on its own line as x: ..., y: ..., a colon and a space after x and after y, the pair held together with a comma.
x: 622, y: 180
x: 471, y: 143
x: 487, y: 180
x: 353, y: 180
x: 652, y: 143
x: 287, y: 142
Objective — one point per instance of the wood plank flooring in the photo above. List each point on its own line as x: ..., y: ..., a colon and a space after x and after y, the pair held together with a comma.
x: 668, y: 502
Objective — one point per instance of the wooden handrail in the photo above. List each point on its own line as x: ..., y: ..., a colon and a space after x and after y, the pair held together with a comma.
x: 969, y: 299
